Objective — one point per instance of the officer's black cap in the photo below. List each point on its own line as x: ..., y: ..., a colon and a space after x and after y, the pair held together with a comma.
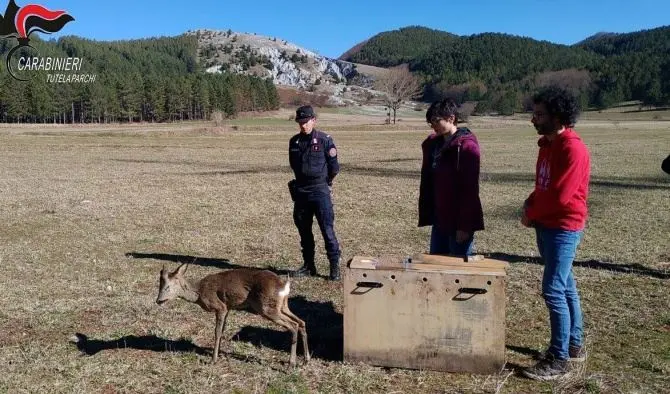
x: 304, y: 113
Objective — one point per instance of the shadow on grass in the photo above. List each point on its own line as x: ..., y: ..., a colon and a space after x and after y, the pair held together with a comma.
x: 635, y: 269
x: 641, y: 183
x: 239, y: 172
x: 399, y: 160
x: 202, y: 261
x: 516, y: 368
x: 381, y: 171
x: 526, y: 351
x: 152, y: 343
x: 645, y: 110
x: 324, y: 330
x: 91, y: 347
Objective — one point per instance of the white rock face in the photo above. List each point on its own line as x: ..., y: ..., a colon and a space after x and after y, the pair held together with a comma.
x: 288, y: 65
x: 303, y: 73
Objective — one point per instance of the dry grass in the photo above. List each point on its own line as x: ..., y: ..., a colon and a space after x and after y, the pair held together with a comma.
x: 76, y: 201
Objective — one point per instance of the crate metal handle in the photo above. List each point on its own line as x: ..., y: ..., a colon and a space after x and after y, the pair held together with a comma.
x: 472, y: 290
x: 372, y: 285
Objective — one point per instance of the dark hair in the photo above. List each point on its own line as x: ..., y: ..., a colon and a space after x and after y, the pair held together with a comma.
x: 442, y: 109
x: 560, y: 104
x: 665, y: 166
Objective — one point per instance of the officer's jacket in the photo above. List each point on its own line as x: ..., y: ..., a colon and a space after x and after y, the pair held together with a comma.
x: 313, y: 158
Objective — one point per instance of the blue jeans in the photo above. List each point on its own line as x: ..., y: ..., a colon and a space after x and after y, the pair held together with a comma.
x: 442, y: 242
x: 558, y: 249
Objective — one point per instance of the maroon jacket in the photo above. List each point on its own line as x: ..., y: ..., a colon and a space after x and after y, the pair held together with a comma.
x: 449, y: 191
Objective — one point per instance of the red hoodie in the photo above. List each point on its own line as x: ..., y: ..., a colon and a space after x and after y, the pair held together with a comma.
x: 561, y: 183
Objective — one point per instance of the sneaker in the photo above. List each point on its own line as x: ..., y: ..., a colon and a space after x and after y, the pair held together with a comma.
x: 549, y: 368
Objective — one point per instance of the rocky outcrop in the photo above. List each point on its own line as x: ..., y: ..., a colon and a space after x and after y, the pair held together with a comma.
x: 286, y: 63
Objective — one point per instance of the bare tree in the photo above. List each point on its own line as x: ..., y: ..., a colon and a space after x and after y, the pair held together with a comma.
x: 398, y: 85
x: 571, y: 79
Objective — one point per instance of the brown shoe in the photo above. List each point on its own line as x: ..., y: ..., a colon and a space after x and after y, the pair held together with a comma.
x: 577, y: 353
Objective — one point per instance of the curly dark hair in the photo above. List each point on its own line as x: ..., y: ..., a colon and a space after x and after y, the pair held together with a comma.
x: 560, y: 104
x: 442, y: 109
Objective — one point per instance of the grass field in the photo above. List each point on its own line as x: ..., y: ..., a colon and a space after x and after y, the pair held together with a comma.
x: 88, y: 216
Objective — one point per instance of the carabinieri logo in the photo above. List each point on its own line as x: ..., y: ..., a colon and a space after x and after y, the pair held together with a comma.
x: 20, y: 22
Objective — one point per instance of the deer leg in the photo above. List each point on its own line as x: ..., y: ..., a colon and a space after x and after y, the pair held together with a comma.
x: 301, y: 326
x: 223, y: 327
x: 282, y: 320
x: 218, y: 330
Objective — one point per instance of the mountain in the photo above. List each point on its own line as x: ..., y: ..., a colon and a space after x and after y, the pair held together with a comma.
x: 392, y: 48
x: 284, y: 63
x: 200, y: 73
x: 443, y: 56
x: 647, y: 41
x: 635, y: 66
x: 596, y: 37
x: 499, y: 70
x: 157, y: 79
x: 353, y: 50
x: 267, y: 57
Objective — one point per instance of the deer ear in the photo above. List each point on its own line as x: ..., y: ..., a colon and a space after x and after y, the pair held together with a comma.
x: 182, y: 269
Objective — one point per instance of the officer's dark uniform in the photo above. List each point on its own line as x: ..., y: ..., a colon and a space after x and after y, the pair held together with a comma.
x: 313, y: 158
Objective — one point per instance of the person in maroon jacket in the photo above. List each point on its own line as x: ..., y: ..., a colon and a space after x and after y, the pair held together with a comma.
x: 557, y: 210
x: 449, y: 190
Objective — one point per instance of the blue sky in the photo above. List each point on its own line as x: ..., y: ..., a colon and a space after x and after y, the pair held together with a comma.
x: 332, y: 27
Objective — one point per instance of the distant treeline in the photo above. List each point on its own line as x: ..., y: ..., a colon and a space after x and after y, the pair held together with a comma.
x: 500, y: 70
x: 156, y: 79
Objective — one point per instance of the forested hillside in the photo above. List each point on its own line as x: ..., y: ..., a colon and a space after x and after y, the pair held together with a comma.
x: 636, y: 66
x: 399, y: 46
x: 156, y: 79
x: 499, y: 70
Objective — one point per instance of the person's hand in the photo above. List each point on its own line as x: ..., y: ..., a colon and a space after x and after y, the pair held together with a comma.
x: 462, y: 236
x: 330, y: 189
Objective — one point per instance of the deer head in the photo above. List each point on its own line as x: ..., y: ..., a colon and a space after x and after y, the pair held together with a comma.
x: 171, y: 285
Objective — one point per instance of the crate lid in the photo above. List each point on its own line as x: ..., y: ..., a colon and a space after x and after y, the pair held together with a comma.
x: 472, y: 265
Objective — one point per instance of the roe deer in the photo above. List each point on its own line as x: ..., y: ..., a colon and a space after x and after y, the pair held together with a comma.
x: 258, y: 291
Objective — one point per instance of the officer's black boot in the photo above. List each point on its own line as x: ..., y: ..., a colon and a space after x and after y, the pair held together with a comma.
x: 334, y: 270
x: 308, y: 269
x: 305, y: 270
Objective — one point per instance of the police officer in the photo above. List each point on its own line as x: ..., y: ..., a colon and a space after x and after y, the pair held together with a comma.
x: 313, y: 158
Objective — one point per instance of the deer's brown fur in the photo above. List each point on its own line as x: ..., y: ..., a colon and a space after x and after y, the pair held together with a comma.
x: 258, y: 291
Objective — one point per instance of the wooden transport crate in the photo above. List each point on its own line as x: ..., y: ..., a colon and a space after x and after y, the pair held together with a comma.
x: 425, y: 312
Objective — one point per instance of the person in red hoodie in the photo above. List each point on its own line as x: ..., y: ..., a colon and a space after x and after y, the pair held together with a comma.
x: 449, y: 190
x: 557, y: 210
